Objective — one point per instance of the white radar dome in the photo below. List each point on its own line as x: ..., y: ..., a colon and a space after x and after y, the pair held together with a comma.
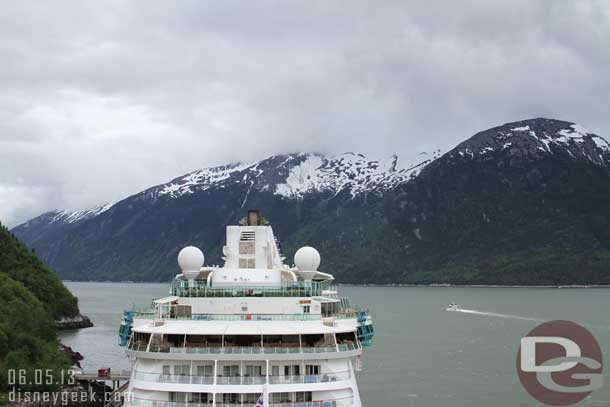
x: 190, y: 259
x: 307, y: 259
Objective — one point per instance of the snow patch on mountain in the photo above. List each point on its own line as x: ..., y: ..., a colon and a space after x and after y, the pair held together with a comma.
x: 538, y: 136
x: 199, y: 180
x: 348, y: 171
x: 302, y: 178
x: 66, y: 216
x: 294, y: 175
x: 76, y: 216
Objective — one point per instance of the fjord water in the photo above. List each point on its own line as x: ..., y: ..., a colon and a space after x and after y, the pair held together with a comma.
x: 422, y: 356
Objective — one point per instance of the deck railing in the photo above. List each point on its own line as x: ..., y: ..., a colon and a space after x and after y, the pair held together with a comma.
x: 304, y: 379
x: 236, y: 317
x: 149, y: 314
x: 247, y: 380
x: 344, y: 402
x: 201, y: 289
x: 138, y: 402
x: 246, y: 350
x: 242, y: 379
x: 172, y: 378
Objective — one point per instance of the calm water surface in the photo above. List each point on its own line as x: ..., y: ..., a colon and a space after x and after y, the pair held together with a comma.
x: 422, y: 355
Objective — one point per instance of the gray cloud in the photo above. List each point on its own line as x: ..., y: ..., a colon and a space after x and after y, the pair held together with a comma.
x: 102, y: 99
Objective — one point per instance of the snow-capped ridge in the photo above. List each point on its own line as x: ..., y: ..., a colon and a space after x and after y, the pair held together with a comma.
x: 293, y: 175
x: 200, y: 179
x: 347, y: 171
x: 78, y: 215
x: 538, y: 136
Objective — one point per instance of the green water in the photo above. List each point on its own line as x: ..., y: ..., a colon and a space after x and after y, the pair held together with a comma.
x: 422, y: 356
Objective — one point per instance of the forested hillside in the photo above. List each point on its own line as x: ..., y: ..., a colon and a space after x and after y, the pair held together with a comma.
x: 31, y: 298
x: 22, y: 265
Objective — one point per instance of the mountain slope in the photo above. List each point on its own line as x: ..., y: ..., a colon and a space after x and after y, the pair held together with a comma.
x: 31, y: 298
x: 523, y: 203
x: 21, y: 265
x: 139, y: 237
x: 526, y: 202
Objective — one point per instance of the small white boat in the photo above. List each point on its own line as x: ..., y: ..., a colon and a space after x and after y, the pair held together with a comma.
x: 453, y: 307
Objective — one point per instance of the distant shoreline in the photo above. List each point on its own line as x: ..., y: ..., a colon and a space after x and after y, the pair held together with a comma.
x: 434, y: 285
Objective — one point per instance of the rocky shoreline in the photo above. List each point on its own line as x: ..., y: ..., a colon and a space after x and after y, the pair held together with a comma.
x: 77, y: 322
x: 75, y: 357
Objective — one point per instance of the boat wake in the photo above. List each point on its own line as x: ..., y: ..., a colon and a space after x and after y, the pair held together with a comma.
x: 518, y: 317
x: 497, y: 315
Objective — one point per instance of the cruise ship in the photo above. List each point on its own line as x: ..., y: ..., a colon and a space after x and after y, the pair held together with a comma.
x: 255, y: 332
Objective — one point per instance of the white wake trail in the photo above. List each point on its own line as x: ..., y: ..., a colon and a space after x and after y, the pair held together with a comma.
x: 495, y: 314
x: 509, y: 316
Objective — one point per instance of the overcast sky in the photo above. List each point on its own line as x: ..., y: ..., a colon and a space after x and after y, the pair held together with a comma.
x: 101, y: 99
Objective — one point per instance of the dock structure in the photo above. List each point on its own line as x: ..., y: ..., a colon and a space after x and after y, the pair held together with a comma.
x: 119, y: 377
x: 117, y: 397
x: 120, y: 384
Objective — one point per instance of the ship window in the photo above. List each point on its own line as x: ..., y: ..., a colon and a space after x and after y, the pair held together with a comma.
x: 302, y: 396
x: 330, y: 308
x: 184, y: 311
x: 230, y: 371
x: 229, y: 398
x: 247, y: 263
x: 175, y: 396
x: 292, y: 370
x: 182, y: 370
x: 312, y: 369
x: 166, y: 372
x: 254, y: 371
x: 275, y: 370
x: 199, y: 397
x: 306, y: 309
x: 206, y: 370
x: 280, y: 397
x: 250, y: 398
x: 247, y: 247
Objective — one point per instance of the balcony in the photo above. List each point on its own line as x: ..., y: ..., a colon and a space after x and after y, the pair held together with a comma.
x: 242, y: 380
x: 247, y: 350
x: 245, y: 344
x: 306, y: 379
x: 172, y: 378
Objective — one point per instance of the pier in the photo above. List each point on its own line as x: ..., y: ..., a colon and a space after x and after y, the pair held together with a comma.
x: 119, y: 384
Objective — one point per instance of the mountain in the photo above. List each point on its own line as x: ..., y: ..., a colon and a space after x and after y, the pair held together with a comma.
x: 522, y: 203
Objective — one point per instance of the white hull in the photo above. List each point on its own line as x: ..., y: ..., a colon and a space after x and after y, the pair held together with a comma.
x: 252, y: 329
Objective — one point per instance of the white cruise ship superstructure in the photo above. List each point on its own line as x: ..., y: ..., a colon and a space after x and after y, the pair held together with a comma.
x: 253, y: 332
